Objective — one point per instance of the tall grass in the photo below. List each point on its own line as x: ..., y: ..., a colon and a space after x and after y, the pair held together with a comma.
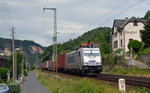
x: 73, y: 86
x: 85, y: 85
x: 131, y: 71
x: 147, y: 50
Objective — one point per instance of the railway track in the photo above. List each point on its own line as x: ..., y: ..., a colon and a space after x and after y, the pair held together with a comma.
x: 130, y: 80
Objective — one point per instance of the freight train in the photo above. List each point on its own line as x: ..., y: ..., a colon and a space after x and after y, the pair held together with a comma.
x: 82, y: 61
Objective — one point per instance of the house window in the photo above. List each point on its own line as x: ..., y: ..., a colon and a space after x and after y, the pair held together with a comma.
x: 121, y: 33
x: 121, y: 43
x: 135, y: 23
x: 115, y: 44
x: 130, y: 40
x: 115, y: 34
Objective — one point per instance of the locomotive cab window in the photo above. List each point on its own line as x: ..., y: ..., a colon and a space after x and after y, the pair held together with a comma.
x: 91, y: 53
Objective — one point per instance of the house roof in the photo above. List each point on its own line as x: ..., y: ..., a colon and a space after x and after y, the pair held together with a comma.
x: 120, y: 23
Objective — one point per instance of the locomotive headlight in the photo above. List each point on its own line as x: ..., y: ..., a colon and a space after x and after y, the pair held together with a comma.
x: 86, y: 60
x: 85, y: 63
x: 99, y: 63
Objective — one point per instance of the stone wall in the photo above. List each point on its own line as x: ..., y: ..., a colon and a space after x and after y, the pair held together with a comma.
x: 145, y: 58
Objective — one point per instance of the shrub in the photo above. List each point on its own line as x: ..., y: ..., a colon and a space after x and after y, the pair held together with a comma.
x: 135, y: 44
x: 3, y: 73
x: 32, y: 68
x: 25, y: 73
x: 14, y: 87
x: 115, y: 59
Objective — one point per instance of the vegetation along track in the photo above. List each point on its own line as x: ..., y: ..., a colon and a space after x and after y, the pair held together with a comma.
x: 130, y: 80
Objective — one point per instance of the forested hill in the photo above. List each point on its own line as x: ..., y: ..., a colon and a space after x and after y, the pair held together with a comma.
x: 26, y: 46
x: 99, y: 35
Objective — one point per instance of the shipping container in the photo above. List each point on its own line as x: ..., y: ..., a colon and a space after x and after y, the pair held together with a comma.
x: 51, y: 64
x: 47, y: 64
x: 61, y: 62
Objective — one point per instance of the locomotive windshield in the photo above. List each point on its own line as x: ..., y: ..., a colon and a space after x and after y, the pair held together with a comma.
x: 91, y: 53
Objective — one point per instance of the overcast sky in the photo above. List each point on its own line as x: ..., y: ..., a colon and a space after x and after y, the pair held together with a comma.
x: 73, y: 16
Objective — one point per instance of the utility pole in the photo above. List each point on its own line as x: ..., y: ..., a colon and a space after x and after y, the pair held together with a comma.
x: 22, y: 66
x: 26, y: 63
x: 13, y: 48
x: 111, y: 51
x: 22, y: 69
x: 54, y: 38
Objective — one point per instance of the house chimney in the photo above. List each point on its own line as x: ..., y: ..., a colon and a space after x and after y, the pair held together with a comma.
x: 126, y: 18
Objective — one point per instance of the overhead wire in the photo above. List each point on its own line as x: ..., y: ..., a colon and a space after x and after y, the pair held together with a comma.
x: 3, y: 17
x: 46, y: 3
x: 110, y: 13
x: 66, y: 38
x: 122, y: 3
x: 60, y: 33
x: 109, y: 19
x: 43, y: 21
x: 101, y: 17
x: 8, y: 13
x: 121, y: 12
x: 43, y: 14
x: 5, y: 10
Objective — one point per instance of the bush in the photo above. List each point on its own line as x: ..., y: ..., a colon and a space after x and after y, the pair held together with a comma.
x: 135, y: 44
x: 115, y: 60
x: 3, y: 73
x: 14, y: 87
x: 25, y: 73
x: 32, y: 68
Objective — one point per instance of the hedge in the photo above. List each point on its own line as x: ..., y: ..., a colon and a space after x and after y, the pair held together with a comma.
x: 14, y: 87
x: 3, y: 74
x: 25, y: 73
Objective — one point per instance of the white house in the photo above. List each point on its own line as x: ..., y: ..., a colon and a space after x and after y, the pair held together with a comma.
x: 125, y: 30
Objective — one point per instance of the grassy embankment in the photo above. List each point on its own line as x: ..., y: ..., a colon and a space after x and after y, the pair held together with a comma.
x: 72, y: 86
x: 69, y: 85
x: 130, y: 71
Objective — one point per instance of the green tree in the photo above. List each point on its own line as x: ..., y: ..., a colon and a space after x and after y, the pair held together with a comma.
x: 19, y: 57
x: 99, y: 35
x: 3, y: 73
x: 105, y: 48
x: 147, y: 15
x: 19, y: 63
x: 10, y: 64
x: 145, y: 34
x: 135, y: 45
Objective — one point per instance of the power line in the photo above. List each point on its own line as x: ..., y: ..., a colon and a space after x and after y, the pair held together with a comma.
x: 66, y: 38
x: 110, y: 13
x: 8, y: 13
x: 46, y: 3
x: 124, y: 2
x: 101, y: 17
x: 5, y: 15
x: 120, y: 12
x: 5, y: 12
x: 3, y: 18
